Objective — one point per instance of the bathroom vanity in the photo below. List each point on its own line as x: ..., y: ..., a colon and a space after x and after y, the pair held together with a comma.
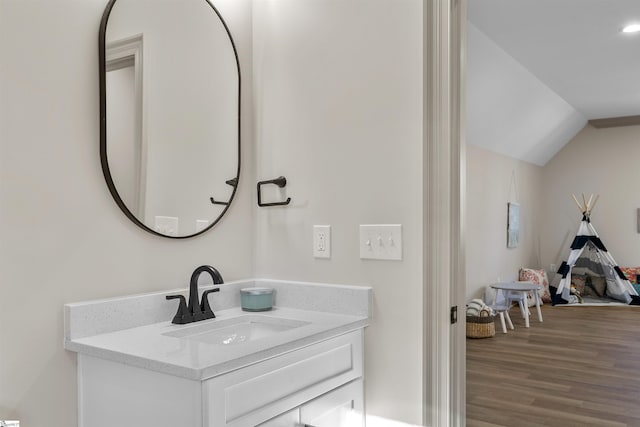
x: 298, y: 364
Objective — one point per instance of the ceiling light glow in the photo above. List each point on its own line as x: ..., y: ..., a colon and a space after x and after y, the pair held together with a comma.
x: 633, y: 28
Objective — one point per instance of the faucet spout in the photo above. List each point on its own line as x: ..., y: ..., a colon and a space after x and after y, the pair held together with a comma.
x: 195, y: 308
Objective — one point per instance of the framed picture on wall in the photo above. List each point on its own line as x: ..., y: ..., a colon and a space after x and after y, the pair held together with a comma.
x: 513, y: 225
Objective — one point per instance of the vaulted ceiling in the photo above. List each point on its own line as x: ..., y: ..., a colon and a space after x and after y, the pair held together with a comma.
x: 539, y: 69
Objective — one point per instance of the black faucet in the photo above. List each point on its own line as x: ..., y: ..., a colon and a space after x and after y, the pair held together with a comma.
x: 196, y: 311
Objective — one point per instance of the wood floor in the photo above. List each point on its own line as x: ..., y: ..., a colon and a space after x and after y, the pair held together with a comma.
x: 581, y: 367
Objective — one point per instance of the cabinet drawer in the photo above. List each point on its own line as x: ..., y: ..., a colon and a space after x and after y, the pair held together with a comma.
x: 261, y: 391
x: 342, y: 407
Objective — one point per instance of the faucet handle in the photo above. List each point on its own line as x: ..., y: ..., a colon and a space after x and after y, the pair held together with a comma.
x: 181, y: 315
x: 205, y: 308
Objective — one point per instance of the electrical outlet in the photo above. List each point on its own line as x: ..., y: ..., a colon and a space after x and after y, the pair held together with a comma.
x: 382, y: 241
x: 322, y: 241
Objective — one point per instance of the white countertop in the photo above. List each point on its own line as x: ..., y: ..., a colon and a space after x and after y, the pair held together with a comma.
x: 147, y: 345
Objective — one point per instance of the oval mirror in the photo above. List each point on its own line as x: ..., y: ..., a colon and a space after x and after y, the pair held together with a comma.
x: 170, y: 113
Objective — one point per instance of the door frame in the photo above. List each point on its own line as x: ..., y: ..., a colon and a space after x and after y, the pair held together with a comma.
x: 444, y: 41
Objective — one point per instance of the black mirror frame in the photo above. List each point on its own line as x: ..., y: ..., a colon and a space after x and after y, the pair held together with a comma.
x: 103, y: 126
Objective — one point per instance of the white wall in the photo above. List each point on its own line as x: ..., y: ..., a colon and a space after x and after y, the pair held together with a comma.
x: 62, y: 237
x: 599, y: 161
x: 493, y: 180
x: 339, y: 113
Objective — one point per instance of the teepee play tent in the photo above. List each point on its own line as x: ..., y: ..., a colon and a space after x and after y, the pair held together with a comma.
x: 589, y: 256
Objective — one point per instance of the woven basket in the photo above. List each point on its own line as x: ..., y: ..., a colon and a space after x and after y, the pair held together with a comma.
x: 481, y: 326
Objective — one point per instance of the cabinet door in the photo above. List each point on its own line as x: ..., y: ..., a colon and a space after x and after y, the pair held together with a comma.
x: 288, y: 419
x: 342, y: 407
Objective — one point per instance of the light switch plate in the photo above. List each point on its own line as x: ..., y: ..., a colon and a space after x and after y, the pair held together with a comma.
x: 167, y: 225
x: 322, y: 241
x: 381, y: 241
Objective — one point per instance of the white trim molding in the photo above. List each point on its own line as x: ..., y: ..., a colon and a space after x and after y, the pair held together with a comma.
x: 443, y: 178
x: 458, y: 353
x: 128, y: 52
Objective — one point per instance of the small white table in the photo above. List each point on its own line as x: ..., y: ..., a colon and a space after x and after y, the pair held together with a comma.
x: 522, y: 287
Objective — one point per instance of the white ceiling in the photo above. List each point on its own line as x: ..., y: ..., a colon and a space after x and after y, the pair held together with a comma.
x: 574, y: 47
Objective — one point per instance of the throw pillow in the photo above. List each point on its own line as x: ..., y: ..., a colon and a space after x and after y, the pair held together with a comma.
x: 595, y: 286
x: 539, y: 277
x: 631, y: 273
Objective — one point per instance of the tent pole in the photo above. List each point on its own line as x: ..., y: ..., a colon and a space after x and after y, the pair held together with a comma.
x: 577, y: 203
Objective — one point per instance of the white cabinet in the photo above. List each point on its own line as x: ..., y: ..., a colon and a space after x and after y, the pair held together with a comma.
x: 259, y: 392
x: 338, y: 408
x: 341, y: 407
x: 319, y: 385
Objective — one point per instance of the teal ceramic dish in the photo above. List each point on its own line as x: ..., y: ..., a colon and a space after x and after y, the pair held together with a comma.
x: 256, y: 299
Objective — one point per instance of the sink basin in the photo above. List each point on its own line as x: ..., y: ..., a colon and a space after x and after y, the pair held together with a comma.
x: 236, y: 330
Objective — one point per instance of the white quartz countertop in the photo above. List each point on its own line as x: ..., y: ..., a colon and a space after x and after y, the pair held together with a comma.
x: 159, y: 346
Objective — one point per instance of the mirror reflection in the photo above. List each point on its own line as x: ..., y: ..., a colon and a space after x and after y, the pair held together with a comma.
x: 170, y: 109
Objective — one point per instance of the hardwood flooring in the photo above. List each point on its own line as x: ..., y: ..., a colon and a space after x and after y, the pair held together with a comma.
x: 580, y: 367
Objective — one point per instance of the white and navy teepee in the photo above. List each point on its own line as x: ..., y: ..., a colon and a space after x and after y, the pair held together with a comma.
x: 588, y: 252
